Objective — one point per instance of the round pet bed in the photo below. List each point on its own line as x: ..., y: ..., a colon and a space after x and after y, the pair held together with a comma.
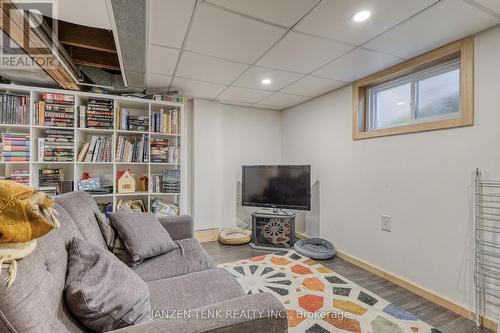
x: 235, y: 236
x: 315, y: 248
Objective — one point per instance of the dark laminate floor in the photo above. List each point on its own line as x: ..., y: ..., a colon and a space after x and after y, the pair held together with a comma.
x: 433, y: 314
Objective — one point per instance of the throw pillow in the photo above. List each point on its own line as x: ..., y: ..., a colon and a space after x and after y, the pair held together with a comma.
x: 101, y: 291
x: 113, y: 241
x: 142, y: 233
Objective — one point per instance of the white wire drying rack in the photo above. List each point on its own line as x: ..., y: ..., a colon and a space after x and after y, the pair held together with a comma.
x: 487, y: 244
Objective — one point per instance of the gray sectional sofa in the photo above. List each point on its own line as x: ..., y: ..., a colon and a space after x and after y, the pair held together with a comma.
x: 184, y: 279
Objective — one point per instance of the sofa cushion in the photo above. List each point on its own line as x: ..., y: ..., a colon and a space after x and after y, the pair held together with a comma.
x: 142, y: 234
x: 183, y: 292
x: 82, y: 208
x: 101, y: 291
x: 188, y: 257
x: 35, y: 301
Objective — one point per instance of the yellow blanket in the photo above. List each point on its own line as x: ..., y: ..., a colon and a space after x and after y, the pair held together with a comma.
x: 24, y: 213
x: 24, y: 216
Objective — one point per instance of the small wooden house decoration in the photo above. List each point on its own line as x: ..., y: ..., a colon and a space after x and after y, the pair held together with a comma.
x: 125, y: 181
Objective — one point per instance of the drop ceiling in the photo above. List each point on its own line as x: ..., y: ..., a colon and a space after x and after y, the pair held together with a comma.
x: 223, y: 49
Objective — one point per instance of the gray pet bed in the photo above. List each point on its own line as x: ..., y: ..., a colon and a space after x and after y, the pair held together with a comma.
x: 315, y: 248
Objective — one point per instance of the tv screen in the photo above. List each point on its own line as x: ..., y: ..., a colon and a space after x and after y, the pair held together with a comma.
x: 277, y: 186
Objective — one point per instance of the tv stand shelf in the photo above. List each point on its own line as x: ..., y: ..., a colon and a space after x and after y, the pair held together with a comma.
x: 273, y: 230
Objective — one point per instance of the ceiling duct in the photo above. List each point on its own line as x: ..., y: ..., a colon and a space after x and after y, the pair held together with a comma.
x: 128, y: 22
x: 129, y: 26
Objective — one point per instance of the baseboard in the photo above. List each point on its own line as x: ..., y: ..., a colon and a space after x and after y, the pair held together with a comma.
x: 207, y: 235
x: 422, y: 292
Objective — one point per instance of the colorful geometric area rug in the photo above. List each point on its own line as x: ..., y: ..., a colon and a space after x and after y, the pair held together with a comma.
x: 318, y: 300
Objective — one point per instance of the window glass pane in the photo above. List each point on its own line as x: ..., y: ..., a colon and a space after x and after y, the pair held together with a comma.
x: 438, y: 95
x: 392, y: 106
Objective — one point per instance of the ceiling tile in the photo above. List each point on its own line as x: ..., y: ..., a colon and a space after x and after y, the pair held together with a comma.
x: 357, y: 64
x: 269, y: 107
x: 162, y: 60
x: 253, y: 77
x: 230, y: 36
x: 210, y: 69
x: 302, y: 53
x: 333, y: 19
x: 488, y: 5
x: 285, y: 100
x: 443, y: 23
x: 244, y: 95
x: 72, y: 11
x: 157, y: 83
x: 312, y: 86
x: 282, y: 12
x: 169, y: 20
x: 192, y: 88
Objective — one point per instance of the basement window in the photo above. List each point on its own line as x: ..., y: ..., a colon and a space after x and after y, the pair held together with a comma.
x: 425, y: 96
x: 430, y: 92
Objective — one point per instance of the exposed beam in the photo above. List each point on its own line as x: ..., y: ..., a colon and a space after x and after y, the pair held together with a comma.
x: 94, y: 58
x: 13, y: 23
x: 86, y: 37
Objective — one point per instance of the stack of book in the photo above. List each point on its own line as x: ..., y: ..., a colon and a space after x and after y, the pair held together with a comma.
x: 132, y: 122
x: 99, y: 113
x: 170, y: 181
x: 14, y: 109
x: 159, y: 150
x: 165, y: 121
x: 97, y: 150
x: 132, y: 149
x: 15, y: 147
x: 55, y: 110
x: 20, y: 176
x: 163, y: 152
x: 50, y: 180
x: 57, y: 146
x: 138, y: 123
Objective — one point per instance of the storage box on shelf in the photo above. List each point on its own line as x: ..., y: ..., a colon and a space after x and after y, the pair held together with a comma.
x: 95, y: 126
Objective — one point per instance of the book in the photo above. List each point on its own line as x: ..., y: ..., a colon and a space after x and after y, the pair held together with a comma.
x: 82, y: 113
x: 83, y: 152
x: 14, y: 109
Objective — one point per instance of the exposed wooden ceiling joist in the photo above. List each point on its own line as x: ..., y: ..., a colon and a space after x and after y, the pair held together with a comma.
x: 86, y: 37
x: 93, y: 58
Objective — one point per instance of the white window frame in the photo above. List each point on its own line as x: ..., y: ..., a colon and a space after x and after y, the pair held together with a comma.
x: 412, y: 79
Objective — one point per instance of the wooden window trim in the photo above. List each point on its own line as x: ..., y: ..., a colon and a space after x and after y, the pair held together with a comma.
x: 463, y: 49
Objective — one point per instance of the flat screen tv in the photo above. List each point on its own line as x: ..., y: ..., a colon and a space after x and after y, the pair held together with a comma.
x: 277, y: 186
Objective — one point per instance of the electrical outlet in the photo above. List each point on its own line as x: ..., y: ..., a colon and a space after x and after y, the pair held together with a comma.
x: 386, y: 223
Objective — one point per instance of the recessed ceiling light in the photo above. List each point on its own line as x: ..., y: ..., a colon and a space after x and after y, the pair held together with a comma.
x: 361, y: 16
x: 400, y: 103
x: 266, y: 81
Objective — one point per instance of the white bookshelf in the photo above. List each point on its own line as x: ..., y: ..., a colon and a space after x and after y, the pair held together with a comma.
x: 106, y: 170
